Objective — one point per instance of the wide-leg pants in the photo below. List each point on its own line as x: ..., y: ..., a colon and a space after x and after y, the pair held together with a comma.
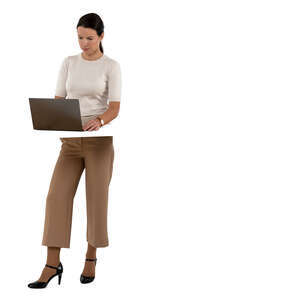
x: 96, y: 156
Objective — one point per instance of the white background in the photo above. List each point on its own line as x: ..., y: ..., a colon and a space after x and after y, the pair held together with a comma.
x: 204, y: 198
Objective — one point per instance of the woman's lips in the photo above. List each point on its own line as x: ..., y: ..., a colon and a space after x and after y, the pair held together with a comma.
x: 85, y: 49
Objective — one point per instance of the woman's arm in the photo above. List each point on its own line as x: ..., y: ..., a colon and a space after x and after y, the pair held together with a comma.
x: 112, y: 112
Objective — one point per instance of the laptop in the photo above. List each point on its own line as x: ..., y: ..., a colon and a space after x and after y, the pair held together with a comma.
x: 55, y: 114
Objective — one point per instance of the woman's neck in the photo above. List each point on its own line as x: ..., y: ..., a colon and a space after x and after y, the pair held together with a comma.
x: 93, y: 56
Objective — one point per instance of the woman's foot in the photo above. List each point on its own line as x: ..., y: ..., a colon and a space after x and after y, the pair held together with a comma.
x: 89, y: 268
x: 48, y: 272
x: 53, y: 259
x: 42, y: 283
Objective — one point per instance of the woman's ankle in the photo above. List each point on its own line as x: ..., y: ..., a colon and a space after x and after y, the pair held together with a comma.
x: 53, y: 256
x: 91, y: 252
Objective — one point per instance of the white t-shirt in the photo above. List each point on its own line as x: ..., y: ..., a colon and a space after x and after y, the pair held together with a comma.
x: 95, y: 83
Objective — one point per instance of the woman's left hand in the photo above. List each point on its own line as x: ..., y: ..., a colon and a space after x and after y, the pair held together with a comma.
x: 92, y: 125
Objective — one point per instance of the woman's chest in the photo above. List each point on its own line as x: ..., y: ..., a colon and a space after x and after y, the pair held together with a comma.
x: 92, y: 79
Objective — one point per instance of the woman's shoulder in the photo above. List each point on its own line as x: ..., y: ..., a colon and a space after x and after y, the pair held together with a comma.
x: 111, y: 60
x: 71, y: 58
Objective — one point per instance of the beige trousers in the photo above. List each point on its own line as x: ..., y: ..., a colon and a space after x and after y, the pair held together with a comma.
x: 96, y: 156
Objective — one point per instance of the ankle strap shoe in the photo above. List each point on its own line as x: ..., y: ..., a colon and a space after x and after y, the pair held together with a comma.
x: 88, y: 279
x: 42, y: 284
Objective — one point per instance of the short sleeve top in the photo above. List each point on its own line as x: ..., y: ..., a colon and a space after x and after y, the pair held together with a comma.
x: 95, y: 83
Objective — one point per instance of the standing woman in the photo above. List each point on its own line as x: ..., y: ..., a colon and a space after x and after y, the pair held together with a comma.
x: 95, y: 79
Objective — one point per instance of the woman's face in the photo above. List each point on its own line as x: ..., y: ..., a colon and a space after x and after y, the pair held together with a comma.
x: 88, y: 39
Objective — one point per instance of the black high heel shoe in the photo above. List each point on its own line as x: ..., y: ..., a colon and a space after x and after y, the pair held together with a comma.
x: 88, y: 279
x: 42, y: 284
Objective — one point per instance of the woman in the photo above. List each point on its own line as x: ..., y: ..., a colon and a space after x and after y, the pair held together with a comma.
x: 94, y: 79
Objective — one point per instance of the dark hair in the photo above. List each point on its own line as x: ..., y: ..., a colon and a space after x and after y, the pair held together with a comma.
x: 93, y: 21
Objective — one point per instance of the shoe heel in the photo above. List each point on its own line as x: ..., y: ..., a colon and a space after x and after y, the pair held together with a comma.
x: 59, y: 278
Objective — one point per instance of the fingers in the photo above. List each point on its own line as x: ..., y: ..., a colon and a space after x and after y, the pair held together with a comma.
x: 88, y: 125
x: 93, y: 128
x: 91, y: 125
